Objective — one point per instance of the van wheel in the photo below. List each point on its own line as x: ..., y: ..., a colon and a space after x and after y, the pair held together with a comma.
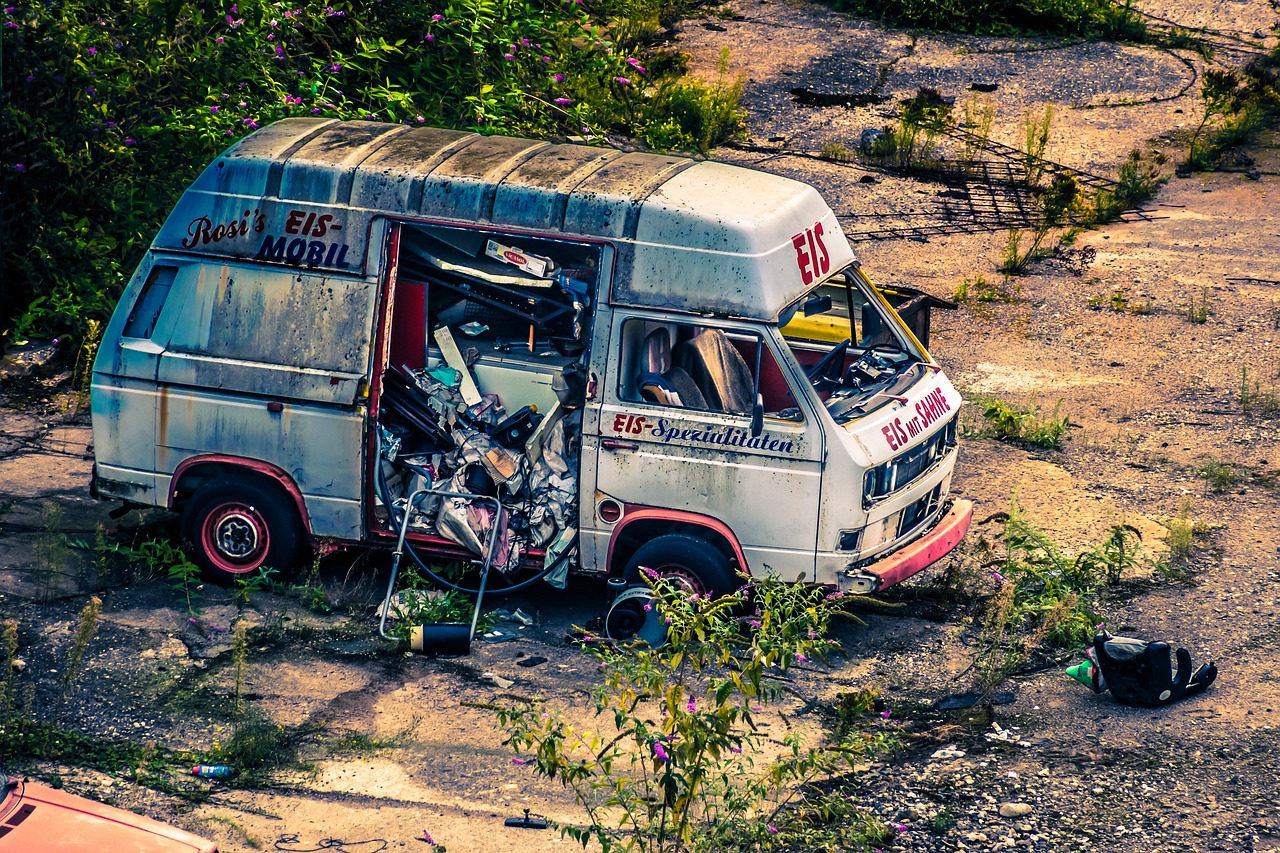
x: 236, y: 527
x: 686, y: 559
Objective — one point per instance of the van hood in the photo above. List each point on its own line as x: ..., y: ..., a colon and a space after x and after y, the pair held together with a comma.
x: 38, y: 818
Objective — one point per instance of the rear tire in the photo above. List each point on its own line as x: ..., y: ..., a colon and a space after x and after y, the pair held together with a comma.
x: 688, y: 559
x: 237, y: 526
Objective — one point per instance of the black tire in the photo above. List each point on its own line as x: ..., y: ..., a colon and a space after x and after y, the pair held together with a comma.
x: 691, y: 559
x: 236, y: 526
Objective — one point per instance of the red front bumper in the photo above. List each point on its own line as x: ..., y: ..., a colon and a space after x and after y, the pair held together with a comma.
x: 923, y: 552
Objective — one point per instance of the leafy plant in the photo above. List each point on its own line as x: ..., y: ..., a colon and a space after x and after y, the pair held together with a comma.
x: 1035, y: 132
x: 909, y: 143
x: 1053, y: 206
x: 692, y: 115
x: 1199, y: 314
x: 161, y: 558
x: 679, y: 762
x: 1220, y: 476
x: 1044, y: 595
x: 1027, y: 425
x: 252, y: 583
x: 980, y: 290
x: 419, y: 603
x: 50, y: 551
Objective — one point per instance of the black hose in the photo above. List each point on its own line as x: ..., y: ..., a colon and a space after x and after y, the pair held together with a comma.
x: 385, y: 494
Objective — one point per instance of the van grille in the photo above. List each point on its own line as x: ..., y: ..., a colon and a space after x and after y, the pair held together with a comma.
x: 914, y: 515
x: 905, y: 468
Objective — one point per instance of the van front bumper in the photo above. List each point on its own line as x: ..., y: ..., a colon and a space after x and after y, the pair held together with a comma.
x: 918, y: 555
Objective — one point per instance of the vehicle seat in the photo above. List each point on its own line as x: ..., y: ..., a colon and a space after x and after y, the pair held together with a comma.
x: 659, y: 381
x: 719, y: 371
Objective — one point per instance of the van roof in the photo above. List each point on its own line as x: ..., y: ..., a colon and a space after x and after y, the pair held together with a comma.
x: 694, y: 236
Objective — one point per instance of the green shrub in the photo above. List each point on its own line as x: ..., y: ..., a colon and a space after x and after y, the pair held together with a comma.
x: 688, y: 114
x: 1020, y: 425
x: 678, y: 761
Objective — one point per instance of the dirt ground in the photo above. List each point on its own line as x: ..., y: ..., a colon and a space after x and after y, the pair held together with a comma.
x: 1152, y: 398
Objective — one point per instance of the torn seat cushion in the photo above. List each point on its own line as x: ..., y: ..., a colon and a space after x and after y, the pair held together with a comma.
x: 719, y: 371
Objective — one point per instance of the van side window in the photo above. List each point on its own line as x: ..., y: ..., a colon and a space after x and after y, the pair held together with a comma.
x: 146, y: 311
x: 685, y: 366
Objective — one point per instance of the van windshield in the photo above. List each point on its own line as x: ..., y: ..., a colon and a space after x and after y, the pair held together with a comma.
x: 855, y: 354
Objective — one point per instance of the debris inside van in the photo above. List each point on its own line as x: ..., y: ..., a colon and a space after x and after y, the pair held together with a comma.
x: 1138, y: 672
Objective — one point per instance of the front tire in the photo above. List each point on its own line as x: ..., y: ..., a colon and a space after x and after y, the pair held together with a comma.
x: 687, y: 559
x: 237, y: 526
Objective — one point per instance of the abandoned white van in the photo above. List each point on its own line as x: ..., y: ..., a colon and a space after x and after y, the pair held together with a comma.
x: 633, y: 353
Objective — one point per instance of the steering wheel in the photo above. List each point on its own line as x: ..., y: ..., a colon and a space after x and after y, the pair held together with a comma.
x: 822, y: 367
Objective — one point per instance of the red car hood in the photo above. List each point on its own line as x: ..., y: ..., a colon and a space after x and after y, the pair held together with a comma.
x: 44, y: 820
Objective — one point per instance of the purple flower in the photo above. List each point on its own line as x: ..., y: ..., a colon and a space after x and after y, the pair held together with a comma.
x: 275, y: 24
x: 801, y: 658
x: 773, y: 830
x: 648, y: 572
x: 899, y: 827
x: 230, y: 132
x: 421, y: 119
x: 519, y: 761
x: 622, y: 81
x: 18, y: 167
x: 129, y: 141
x: 279, y: 51
x: 647, y: 607
x: 754, y: 623
x: 9, y: 10
x: 337, y: 66
x: 508, y: 56
x: 111, y: 124
x: 315, y: 111
x: 886, y: 714
x: 437, y: 17
x: 546, y: 59
x: 90, y: 92
x: 430, y: 37
x: 660, y: 752
x: 213, y: 109
x: 524, y: 42
x: 736, y: 750
x: 271, y: 36
x: 219, y: 40
x: 692, y: 706
x: 31, y: 78
x: 242, y: 105
x: 93, y: 51
x: 559, y: 78
x: 834, y: 595
x: 11, y: 24
x: 757, y: 707
x: 997, y: 577
x: 635, y: 63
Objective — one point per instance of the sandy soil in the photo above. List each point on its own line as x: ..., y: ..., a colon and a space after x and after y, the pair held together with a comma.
x: 1151, y: 396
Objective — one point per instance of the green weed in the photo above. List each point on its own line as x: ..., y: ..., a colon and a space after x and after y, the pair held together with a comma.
x: 980, y: 290
x: 86, y: 627
x: 1256, y: 400
x: 909, y: 143
x: 1138, y: 181
x: 1052, y: 208
x: 1199, y: 314
x: 1027, y: 425
x: 1220, y: 476
x: 160, y: 558
x: 1035, y: 138
x: 693, y: 115
x: 1045, y: 596
x: 50, y: 551
x: 837, y: 151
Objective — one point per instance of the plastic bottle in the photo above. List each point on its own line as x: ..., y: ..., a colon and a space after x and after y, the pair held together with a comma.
x: 211, y: 771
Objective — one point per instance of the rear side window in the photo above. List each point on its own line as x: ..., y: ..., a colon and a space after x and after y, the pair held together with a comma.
x: 146, y: 311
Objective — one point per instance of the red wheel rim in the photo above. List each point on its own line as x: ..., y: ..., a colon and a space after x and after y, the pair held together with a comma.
x: 235, y: 538
x: 681, y: 576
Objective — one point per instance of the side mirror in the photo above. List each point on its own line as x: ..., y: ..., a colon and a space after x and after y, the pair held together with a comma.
x: 757, y: 417
x: 816, y: 305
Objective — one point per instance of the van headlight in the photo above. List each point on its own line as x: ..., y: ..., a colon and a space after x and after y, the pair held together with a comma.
x: 877, y: 483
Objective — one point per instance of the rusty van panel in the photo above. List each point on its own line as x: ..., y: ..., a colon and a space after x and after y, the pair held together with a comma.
x: 607, y: 205
x: 391, y: 179
x: 321, y: 171
x: 242, y: 330
x: 536, y: 194
x: 464, y: 185
x: 319, y: 447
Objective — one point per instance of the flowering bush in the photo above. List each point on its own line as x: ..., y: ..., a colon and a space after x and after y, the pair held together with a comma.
x: 111, y: 109
x: 679, y: 762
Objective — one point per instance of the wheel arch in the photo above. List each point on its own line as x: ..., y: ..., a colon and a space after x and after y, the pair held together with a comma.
x: 193, y: 473
x: 642, y: 524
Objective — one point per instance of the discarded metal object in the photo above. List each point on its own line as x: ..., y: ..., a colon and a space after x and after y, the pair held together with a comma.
x: 960, y: 701
x: 529, y: 821
x: 1139, y: 673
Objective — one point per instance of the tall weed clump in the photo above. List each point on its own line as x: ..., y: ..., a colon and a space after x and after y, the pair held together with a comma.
x: 676, y: 759
x: 111, y: 109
